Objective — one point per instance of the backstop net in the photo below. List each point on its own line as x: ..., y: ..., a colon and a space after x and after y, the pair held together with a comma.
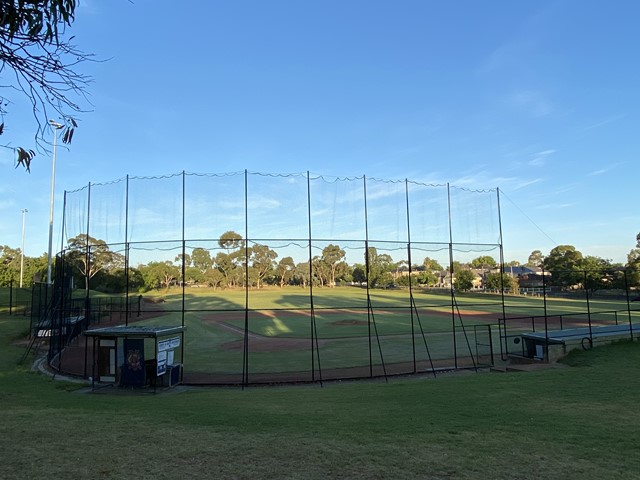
x: 291, y: 277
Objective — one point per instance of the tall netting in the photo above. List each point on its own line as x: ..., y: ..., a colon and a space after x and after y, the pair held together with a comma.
x: 75, y: 214
x: 292, y: 277
x: 108, y: 211
x: 428, y: 213
x: 155, y: 208
x: 277, y: 207
x: 337, y: 208
x: 213, y: 204
x: 474, y: 218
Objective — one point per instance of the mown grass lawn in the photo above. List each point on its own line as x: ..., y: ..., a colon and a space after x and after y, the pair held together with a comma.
x: 579, y: 421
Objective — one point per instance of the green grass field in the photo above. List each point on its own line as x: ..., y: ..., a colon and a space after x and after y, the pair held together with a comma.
x: 280, y: 328
x: 576, y: 421
x: 343, y: 328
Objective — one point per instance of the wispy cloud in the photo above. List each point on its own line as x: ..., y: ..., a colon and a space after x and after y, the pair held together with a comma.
x: 511, y: 54
x: 532, y: 102
x: 602, y: 171
x: 555, y: 206
x: 540, y: 158
x: 485, y: 179
x: 525, y: 183
x: 606, y: 121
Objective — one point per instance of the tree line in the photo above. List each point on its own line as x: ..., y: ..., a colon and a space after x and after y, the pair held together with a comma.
x: 95, y: 265
x: 34, y: 268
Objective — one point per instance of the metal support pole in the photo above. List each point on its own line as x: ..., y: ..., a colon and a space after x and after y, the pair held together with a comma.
x: 127, y: 250
x: 586, y: 292
x: 626, y: 289
x: 453, y: 307
x: 315, y: 347
x: 64, y: 220
x: 411, y: 304
x: 371, y: 319
x: 10, y: 296
x: 87, y: 255
x: 546, y: 323
x: 504, y: 309
x: 245, y: 356
x: 183, y: 269
x: 367, y: 268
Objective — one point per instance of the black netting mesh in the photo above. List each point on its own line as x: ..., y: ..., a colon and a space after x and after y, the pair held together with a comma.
x: 213, y: 244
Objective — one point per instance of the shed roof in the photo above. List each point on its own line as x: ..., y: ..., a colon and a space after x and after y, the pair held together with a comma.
x: 151, y: 331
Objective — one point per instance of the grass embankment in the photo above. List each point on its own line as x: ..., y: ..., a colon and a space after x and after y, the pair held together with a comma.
x: 574, y: 422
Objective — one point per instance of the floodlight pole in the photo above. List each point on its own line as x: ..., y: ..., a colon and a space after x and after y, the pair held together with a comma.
x: 24, y: 211
x: 56, y: 126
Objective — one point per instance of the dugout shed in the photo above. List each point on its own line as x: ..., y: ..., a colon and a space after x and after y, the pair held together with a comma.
x: 137, y: 356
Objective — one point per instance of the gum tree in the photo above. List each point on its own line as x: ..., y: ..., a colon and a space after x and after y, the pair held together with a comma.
x: 38, y: 63
x: 332, y: 255
x: 92, y: 255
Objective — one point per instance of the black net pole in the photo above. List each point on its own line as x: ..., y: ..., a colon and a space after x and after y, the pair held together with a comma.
x: 453, y: 301
x: 586, y: 293
x: 413, y: 308
x: 65, y: 328
x: 371, y: 319
x: 626, y: 291
x: 184, y: 250
x: 127, y: 251
x: 94, y: 356
x: 546, y: 317
x: 411, y: 302
x: 466, y: 336
x: 64, y: 219
x: 311, y: 329
x: 504, y: 310
x: 184, y: 256
x: 88, y: 256
x: 33, y: 308
x: 367, y: 271
x: 245, y: 350
x: 424, y: 336
x: 86, y: 353
x: 313, y: 325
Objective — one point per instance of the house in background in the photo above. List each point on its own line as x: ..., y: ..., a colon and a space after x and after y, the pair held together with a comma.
x: 532, y: 280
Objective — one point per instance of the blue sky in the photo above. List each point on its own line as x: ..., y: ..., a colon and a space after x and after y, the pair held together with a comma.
x: 540, y: 99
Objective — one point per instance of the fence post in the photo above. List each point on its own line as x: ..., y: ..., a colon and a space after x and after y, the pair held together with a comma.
x: 586, y: 292
x: 626, y: 291
x: 490, y: 343
x: 10, y: 295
